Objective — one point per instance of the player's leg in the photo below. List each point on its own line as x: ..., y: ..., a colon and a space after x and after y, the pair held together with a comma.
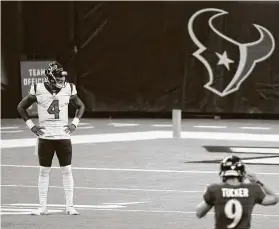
x: 64, y: 154
x: 45, y: 155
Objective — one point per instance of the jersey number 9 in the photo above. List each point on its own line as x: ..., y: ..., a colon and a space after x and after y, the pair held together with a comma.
x: 233, y: 211
x: 54, y: 108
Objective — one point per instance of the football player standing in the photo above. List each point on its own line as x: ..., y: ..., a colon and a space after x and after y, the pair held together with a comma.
x: 53, y: 131
x: 234, y: 198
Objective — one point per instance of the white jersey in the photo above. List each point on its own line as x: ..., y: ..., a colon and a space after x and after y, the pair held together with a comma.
x: 53, y: 109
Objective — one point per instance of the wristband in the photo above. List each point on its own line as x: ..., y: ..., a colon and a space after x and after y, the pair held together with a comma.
x: 75, y: 121
x: 260, y: 183
x: 30, y: 124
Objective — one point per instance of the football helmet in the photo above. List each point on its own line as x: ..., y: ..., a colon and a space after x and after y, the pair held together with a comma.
x: 232, y: 166
x: 55, y: 74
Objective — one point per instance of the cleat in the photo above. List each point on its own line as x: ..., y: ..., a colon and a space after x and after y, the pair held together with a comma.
x: 71, y: 211
x: 39, y: 211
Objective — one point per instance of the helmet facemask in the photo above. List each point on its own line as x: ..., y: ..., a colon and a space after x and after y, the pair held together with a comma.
x: 60, y: 79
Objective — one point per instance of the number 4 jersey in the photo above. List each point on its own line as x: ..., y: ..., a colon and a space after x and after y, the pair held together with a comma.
x: 53, y: 109
x: 233, y: 204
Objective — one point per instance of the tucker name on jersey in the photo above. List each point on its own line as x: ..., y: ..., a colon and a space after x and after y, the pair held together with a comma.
x: 53, y: 109
x: 231, y: 192
x: 233, y: 205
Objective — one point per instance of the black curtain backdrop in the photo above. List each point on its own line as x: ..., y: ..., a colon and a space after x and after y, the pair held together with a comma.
x: 137, y: 56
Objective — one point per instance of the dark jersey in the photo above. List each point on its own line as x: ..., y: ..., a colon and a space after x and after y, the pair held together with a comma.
x: 233, y: 204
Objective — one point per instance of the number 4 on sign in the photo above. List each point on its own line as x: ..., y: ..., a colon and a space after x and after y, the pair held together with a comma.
x: 54, y: 108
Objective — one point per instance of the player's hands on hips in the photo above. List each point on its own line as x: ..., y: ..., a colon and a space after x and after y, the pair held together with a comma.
x: 38, y: 130
x: 70, y: 128
x: 252, y: 177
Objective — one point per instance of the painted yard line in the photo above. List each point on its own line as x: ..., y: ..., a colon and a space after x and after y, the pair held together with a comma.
x: 10, y: 131
x: 162, y: 125
x: 23, y: 207
x: 104, y: 205
x: 93, y: 138
x: 133, y: 170
x: 9, y: 127
x: 21, y: 213
x: 255, y: 150
x: 147, y: 211
x: 110, y: 189
x: 7, y: 211
x: 4, y: 209
x: 128, y: 203
x: 213, y: 127
x: 63, y: 205
x: 173, y: 212
x: 255, y: 128
x: 269, y: 161
x: 103, y: 208
x: 231, y: 136
x: 84, y: 124
x: 158, y: 212
x: 123, y: 124
x: 148, y: 135
x: 86, y: 127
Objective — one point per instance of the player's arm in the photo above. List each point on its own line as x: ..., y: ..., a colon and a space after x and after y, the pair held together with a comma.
x: 22, y: 110
x: 204, y: 207
x: 24, y: 104
x: 270, y: 197
x: 265, y: 195
x: 78, y: 104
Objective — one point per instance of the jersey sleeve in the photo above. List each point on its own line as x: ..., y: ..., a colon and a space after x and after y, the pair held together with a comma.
x: 74, y: 90
x: 32, y: 90
x: 208, y: 195
x: 259, y: 194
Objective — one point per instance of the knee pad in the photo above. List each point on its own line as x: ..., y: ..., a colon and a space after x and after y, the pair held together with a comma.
x: 44, y: 171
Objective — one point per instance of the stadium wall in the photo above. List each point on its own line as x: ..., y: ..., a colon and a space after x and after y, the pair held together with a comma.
x: 134, y: 59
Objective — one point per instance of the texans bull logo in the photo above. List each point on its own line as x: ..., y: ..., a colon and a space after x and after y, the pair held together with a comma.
x: 246, y: 55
